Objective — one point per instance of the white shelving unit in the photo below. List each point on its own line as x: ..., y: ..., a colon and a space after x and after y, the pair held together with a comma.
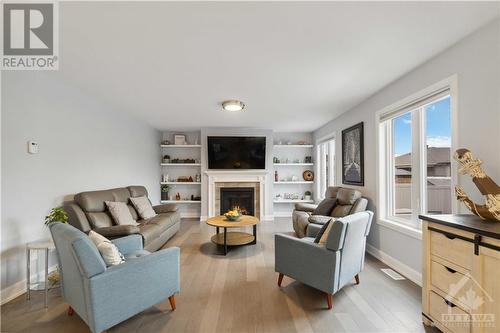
x: 187, y: 207
x: 293, y: 157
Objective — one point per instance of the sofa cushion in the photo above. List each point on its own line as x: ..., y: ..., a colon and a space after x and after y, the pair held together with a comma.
x: 319, y: 219
x: 347, y: 196
x: 120, y: 213
x: 164, y: 221
x: 136, y: 254
x: 118, y: 230
x: 341, y: 210
x: 93, y: 201
x: 100, y: 219
x: 325, y: 207
x: 137, y: 191
x: 143, y: 207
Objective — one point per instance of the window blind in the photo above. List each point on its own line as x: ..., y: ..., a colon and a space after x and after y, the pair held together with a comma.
x: 427, y: 99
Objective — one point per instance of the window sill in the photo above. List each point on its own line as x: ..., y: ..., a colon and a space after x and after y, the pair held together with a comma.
x: 401, y: 228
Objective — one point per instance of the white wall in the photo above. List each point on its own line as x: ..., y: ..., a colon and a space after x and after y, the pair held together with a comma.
x: 84, y: 145
x: 475, y: 60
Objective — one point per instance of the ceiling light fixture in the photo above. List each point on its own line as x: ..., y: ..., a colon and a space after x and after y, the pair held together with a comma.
x: 233, y: 105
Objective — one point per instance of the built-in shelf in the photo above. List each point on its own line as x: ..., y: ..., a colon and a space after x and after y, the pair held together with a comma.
x: 180, y: 146
x: 180, y: 183
x: 293, y: 164
x: 181, y: 164
x: 293, y: 201
x: 181, y: 201
x: 295, y: 182
x: 293, y: 146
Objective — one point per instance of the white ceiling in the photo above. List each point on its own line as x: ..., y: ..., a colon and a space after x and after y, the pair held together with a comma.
x: 295, y: 65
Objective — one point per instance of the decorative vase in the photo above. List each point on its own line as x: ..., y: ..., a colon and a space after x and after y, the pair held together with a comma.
x: 164, y: 196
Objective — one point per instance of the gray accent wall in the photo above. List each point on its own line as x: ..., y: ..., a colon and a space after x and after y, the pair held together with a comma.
x: 475, y: 61
x: 84, y: 145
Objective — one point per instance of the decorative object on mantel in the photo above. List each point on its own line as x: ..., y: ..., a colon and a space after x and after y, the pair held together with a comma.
x: 164, y: 191
x: 308, y: 159
x: 353, y: 155
x: 178, y: 196
x: 198, y: 178
x: 489, y: 189
x: 308, y: 175
x: 179, y: 139
x: 165, y: 142
x: 183, y: 161
x: 166, y: 159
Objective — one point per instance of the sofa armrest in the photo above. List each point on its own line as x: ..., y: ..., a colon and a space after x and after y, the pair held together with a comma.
x: 305, y: 207
x: 76, y: 216
x: 128, y: 244
x: 308, y: 262
x: 313, y: 230
x: 166, y: 208
x: 118, y: 230
x: 319, y: 219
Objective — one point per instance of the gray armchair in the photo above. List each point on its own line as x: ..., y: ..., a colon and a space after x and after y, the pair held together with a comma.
x: 326, y: 267
x: 105, y: 296
x: 338, y: 202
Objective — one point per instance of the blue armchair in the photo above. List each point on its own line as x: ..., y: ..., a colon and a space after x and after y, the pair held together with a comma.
x: 105, y: 296
x: 326, y: 267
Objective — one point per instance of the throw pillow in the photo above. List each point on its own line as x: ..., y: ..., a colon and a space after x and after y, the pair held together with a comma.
x: 143, y: 207
x: 322, y: 231
x: 109, y: 252
x: 341, y: 210
x: 324, y: 237
x: 120, y: 212
x: 325, y: 207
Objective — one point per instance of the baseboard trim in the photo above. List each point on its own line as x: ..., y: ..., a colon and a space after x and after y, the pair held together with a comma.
x: 395, y: 264
x: 190, y: 215
x: 18, y: 288
x: 268, y: 218
x: 283, y: 214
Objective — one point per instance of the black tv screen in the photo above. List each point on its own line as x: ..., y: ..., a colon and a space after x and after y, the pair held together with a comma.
x: 236, y: 152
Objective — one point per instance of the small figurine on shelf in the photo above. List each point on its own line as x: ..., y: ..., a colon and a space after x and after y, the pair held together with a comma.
x: 190, y: 179
x: 308, y: 159
x: 307, y: 195
x: 178, y: 196
x: 276, y: 175
x: 198, y: 178
x: 166, y: 159
x: 165, y: 142
x: 192, y: 197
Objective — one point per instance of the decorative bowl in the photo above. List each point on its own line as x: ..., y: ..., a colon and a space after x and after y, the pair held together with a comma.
x: 232, y: 218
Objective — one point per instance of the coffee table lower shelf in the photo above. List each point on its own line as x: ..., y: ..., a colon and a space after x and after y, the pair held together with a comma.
x: 233, y: 238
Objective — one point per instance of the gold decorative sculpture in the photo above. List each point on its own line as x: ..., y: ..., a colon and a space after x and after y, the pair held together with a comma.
x: 471, y: 166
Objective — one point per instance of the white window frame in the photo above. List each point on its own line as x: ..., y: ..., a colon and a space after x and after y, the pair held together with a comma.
x: 321, y: 146
x: 385, y: 167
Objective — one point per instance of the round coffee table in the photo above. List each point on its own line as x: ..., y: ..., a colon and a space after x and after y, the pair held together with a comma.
x: 233, y: 238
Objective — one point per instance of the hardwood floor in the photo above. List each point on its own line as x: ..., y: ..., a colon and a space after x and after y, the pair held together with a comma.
x: 239, y: 293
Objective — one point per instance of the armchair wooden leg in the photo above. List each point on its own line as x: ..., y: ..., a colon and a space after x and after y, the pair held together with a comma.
x: 171, y: 299
x: 280, y: 279
x: 329, y: 300
x: 357, y: 278
x: 70, y: 311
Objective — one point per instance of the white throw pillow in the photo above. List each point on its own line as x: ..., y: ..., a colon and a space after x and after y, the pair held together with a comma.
x: 143, y: 207
x: 109, y: 252
x: 120, y: 212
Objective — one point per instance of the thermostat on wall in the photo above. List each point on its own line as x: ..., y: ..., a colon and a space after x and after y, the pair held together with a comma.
x: 32, y: 147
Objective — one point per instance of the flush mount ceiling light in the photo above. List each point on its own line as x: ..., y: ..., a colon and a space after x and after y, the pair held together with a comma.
x: 233, y: 105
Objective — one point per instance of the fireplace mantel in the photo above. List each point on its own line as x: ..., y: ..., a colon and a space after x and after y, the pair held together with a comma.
x: 239, y: 176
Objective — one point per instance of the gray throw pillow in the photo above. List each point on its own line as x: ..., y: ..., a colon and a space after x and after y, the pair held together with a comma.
x: 325, y: 207
x: 143, y: 207
x: 120, y: 213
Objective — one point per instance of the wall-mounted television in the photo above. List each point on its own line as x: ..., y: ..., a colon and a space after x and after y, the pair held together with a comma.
x: 236, y: 152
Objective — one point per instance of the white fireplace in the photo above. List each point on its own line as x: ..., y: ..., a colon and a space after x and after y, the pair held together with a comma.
x: 218, y: 179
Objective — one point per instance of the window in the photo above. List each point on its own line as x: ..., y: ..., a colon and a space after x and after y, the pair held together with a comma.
x: 326, y: 159
x: 415, y: 159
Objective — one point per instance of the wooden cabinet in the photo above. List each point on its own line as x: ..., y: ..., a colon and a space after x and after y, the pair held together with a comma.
x: 461, y: 273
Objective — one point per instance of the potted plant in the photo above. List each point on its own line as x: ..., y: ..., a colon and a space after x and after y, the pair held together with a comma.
x: 56, y: 215
x: 166, y: 159
x: 164, y: 191
x: 307, y: 195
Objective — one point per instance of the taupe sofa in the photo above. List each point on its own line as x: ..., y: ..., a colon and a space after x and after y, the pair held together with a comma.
x: 339, y: 202
x: 88, y: 212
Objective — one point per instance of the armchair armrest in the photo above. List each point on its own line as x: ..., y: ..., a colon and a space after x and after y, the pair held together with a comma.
x: 165, y: 208
x: 118, y: 230
x: 128, y: 244
x: 313, y: 229
x: 305, y: 207
x: 308, y: 262
x: 133, y: 286
x: 319, y: 219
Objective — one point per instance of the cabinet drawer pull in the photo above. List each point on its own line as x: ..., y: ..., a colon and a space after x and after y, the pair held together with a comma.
x: 450, y: 270
x: 450, y: 304
x: 449, y: 236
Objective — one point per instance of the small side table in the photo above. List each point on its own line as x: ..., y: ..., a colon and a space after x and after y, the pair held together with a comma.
x: 45, y: 246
